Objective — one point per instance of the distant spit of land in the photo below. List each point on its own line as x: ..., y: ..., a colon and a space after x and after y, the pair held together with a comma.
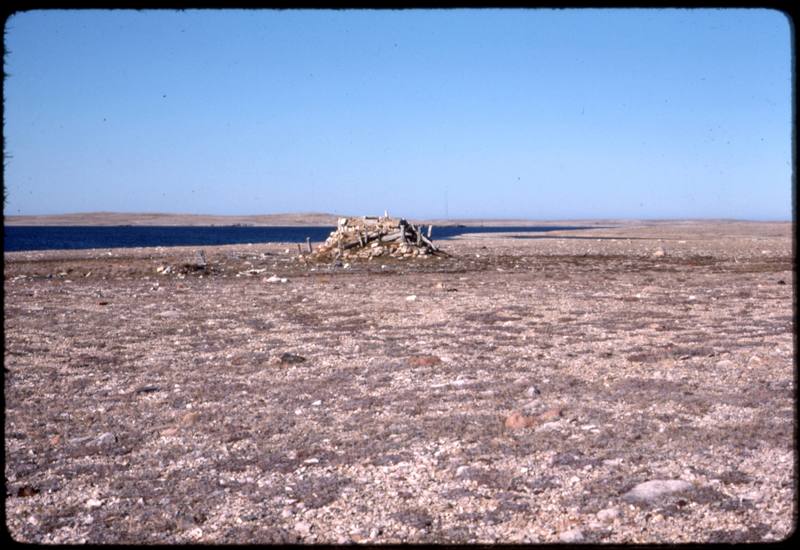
x: 286, y: 219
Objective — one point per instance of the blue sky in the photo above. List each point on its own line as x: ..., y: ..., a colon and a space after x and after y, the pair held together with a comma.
x: 515, y: 113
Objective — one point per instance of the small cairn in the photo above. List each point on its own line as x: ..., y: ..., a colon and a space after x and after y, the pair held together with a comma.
x: 369, y: 237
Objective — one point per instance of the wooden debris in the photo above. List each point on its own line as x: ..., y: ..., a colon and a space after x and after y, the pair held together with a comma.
x: 371, y: 237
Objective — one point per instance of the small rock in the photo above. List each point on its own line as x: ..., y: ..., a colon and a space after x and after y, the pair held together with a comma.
x: 316, y: 403
x: 303, y: 528
x: 291, y: 358
x: 55, y: 440
x: 517, y: 421
x: 550, y: 414
x: 423, y: 360
x: 105, y: 439
x: 93, y: 503
x: 169, y: 314
x: 651, y: 490
x: 573, y: 535
x: 27, y: 491
x: 146, y: 389
x: 533, y: 391
x: 608, y: 514
x: 190, y: 419
x: 659, y: 253
x: 169, y: 431
x: 276, y: 279
x: 411, y: 297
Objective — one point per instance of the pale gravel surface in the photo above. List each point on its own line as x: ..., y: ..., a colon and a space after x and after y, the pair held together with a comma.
x: 152, y: 408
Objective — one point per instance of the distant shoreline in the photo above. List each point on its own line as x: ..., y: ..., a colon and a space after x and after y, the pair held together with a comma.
x: 290, y: 220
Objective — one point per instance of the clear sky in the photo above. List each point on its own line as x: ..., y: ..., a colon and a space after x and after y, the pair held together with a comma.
x: 514, y: 113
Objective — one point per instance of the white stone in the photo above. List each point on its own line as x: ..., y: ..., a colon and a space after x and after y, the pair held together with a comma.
x: 533, y: 391
x: 651, y: 490
x: 608, y: 514
x: 573, y: 535
x: 411, y: 297
x: 93, y: 503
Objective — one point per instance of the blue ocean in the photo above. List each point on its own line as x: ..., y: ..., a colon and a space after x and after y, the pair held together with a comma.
x: 20, y: 238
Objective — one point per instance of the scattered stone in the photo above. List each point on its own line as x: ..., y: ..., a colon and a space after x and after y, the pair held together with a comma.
x: 55, y: 440
x: 275, y: 279
x: 573, y: 535
x: 533, y: 391
x: 93, y: 503
x: 303, y: 528
x: 190, y: 419
x: 169, y: 432
x: 146, y: 389
x: 249, y: 272
x: 27, y: 491
x: 105, y: 439
x: 550, y: 414
x: 608, y: 514
x: 170, y: 314
x: 517, y: 421
x: 423, y: 361
x: 411, y: 298
x: 291, y: 358
x: 651, y: 490
x: 659, y: 253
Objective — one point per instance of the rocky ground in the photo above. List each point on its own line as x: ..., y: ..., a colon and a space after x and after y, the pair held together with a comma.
x: 625, y: 384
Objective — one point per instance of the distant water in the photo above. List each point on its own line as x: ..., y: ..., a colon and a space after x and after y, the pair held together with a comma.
x: 18, y: 238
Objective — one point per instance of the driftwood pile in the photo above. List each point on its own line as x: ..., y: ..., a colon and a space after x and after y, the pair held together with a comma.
x: 374, y: 237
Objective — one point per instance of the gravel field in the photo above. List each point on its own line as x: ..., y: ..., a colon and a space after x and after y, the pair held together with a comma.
x: 622, y: 384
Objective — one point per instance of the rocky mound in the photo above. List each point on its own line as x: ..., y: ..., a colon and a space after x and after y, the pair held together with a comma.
x: 370, y: 237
